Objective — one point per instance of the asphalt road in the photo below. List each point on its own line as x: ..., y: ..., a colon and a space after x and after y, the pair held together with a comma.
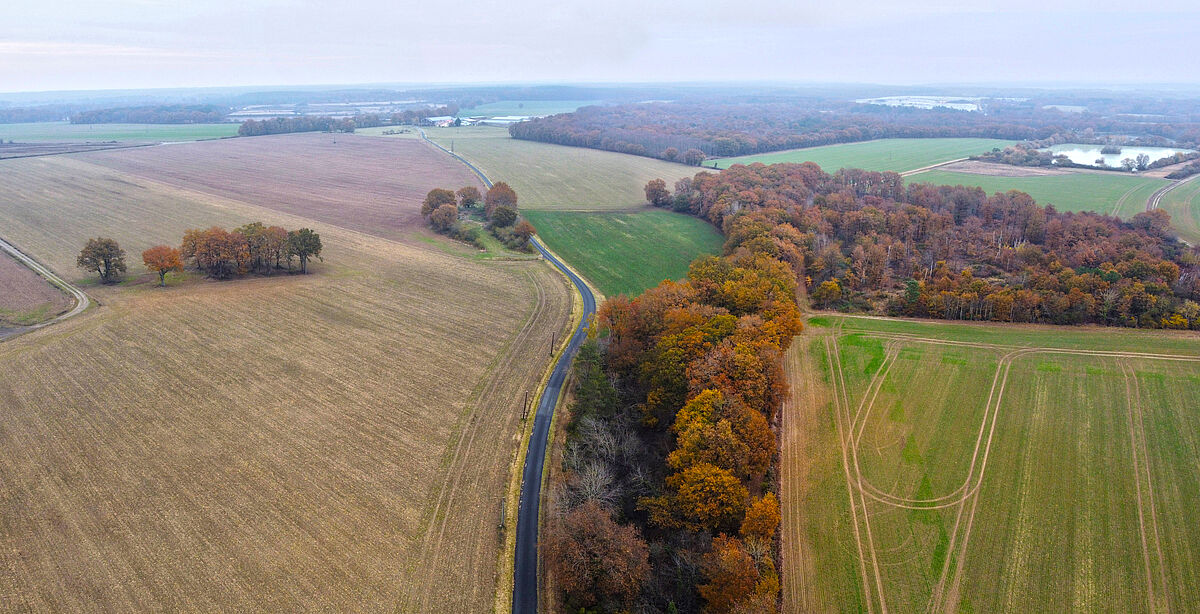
x: 525, y: 570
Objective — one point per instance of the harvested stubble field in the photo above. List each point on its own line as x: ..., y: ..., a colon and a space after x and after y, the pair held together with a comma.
x: 366, y: 184
x: 947, y: 468
x: 557, y: 177
x: 338, y: 441
x: 26, y: 298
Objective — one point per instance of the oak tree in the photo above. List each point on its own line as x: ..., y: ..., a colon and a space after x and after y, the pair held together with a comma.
x: 162, y: 259
x: 305, y: 244
x: 103, y: 256
x: 436, y: 198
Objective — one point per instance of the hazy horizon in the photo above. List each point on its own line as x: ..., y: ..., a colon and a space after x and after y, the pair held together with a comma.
x: 154, y: 44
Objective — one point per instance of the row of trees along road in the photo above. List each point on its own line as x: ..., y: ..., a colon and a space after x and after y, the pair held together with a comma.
x: 219, y: 253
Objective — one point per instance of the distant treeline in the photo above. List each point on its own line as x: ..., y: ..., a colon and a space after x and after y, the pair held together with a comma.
x: 662, y: 130
x: 314, y: 123
x: 284, y: 125
x: 23, y: 115
x: 163, y: 114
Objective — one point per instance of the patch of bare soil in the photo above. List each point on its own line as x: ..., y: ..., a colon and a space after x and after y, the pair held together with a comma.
x: 976, y: 167
x: 25, y: 293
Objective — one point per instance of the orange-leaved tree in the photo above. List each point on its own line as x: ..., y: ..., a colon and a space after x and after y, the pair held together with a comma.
x: 730, y: 572
x: 702, y: 497
x: 594, y: 558
x: 162, y: 259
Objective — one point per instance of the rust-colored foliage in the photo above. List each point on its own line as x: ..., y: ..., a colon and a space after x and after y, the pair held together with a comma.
x: 499, y: 195
x: 702, y: 497
x: 762, y: 519
x: 594, y: 558
x: 435, y: 199
x: 162, y: 259
x: 730, y: 573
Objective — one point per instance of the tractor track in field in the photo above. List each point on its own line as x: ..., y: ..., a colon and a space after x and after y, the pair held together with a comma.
x: 1155, y: 199
x: 431, y: 544
x: 966, y: 496
x: 841, y: 413
x: 1137, y: 439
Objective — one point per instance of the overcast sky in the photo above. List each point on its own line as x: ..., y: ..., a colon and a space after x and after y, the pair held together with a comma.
x: 108, y: 44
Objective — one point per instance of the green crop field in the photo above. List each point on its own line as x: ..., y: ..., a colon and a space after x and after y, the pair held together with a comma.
x: 883, y: 155
x: 977, y: 468
x: 63, y: 131
x: 1109, y: 193
x: 558, y: 177
x: 525, y: 107
x: 626, y: 253
x: 1183, y: 203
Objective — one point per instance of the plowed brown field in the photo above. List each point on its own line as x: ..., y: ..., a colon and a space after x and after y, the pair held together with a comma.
x: 333, y: 442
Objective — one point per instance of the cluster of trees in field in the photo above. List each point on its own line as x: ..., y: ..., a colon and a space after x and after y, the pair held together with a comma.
x: 161, y: 114
x: 444, y: 211
x: 1022, y: 154
x: 253, y: 248
x: 863, y: 240
x: 668, y: 501
x: 219, y: 253
x: 728, y: 128
x: 307, y: 123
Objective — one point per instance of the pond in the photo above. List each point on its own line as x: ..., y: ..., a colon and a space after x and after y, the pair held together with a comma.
x: 1088, y: 154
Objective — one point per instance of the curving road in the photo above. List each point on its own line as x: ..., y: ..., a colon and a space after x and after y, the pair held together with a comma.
x: 525, y: 569
x: 81, y: 299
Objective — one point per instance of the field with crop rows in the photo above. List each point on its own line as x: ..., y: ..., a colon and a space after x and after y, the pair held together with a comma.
x: 65, y: 131
x: 882, y: 155
x: 549, y: 176
x: 1117, y: 194
x: 337, y: 441
x: 365, y: 184
x: 626, y: 253
x: 948, y: 468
